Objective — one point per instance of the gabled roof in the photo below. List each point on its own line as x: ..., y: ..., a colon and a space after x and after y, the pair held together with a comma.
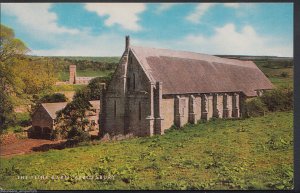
x: 52, y: 108
x: 184, y: 72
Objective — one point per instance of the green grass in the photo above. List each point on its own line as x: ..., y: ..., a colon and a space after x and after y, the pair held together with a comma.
x: 274, y: 70
x: 68, y: 87
x: 255, y: 153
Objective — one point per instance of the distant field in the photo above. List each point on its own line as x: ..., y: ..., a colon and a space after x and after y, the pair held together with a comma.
x: 279, y: 73
x: 255, y: 153
x: 64, y: 75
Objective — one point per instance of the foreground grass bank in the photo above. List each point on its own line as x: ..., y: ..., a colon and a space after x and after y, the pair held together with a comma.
x: 255, y: 153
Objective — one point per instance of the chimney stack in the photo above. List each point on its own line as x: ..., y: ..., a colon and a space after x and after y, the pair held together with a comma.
x: 127, y: 42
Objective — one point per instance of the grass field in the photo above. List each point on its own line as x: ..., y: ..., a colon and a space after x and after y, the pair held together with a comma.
x: 64, y: 75
x: 255, y: 153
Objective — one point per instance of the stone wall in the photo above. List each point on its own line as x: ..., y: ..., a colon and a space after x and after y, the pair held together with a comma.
x: 167, y: 111
x: 42, y: 124
x: 181, y: 109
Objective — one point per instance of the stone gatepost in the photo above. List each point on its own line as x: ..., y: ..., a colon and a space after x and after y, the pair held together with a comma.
x: 150, y: 118
x: 158, y: 101
x: 192, y: 114
x: 235, y: 105
x: 216, y: 113
x: 225, y: 106
x: 204, y: 111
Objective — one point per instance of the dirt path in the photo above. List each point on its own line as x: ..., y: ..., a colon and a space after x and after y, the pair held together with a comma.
x: 24, y: 146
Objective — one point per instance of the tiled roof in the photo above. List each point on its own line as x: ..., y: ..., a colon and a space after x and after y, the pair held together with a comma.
x: 187, y: 72
x: 52, y: 108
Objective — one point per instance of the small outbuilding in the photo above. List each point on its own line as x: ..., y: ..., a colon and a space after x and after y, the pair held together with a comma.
x: 43, y: 118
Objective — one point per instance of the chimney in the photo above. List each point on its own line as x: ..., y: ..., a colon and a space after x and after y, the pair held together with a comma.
x: 127, y: 42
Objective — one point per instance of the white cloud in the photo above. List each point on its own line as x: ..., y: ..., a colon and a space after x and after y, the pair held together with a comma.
x: 124, y: 14
x: 164, y: 7
x: 232, y: 5
x: 36, y: 17
x: 199, y: 11
x: 196, y: 15
x: 227, y: 40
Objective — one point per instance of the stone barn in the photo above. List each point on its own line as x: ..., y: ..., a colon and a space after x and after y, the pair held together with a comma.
x: 153, y: 89
x: 43, y: 118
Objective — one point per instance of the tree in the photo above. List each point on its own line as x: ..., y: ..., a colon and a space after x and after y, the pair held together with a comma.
x: 23, y: 80
x: 92, y: 91
x: 11, y: 51
x: 72, y: 122
x: 53, y: 98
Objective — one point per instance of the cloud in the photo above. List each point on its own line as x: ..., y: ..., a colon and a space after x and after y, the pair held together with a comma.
x: 36, y: 17
x: 164, y: 7
x: 232, y: 5
x: 196, y: 15
x: 199, y: 11
x: 124, y: 14
x: 227, y: 40
x: 85, y: 44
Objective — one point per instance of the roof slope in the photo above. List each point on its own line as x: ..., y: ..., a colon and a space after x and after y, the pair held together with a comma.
x: 188, y: 72
x: 52, y: 108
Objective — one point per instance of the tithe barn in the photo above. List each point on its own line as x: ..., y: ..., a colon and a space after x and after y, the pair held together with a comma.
x: 153, y: 89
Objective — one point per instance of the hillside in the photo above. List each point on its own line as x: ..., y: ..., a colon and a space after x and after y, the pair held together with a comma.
x: 255, y: 153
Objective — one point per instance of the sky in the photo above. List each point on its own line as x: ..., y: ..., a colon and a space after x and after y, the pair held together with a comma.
x: 99, y: 29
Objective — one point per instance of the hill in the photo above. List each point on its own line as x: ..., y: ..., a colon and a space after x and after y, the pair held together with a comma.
x: 255, y: 153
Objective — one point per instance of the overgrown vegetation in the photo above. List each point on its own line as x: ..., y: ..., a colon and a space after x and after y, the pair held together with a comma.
x: 253, y: 153
x: 22, y: 80
x: 279, y: 99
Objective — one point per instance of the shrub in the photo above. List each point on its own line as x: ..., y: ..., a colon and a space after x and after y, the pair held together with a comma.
x: 255, y: 107
x: 284, y: 74
x: 280, y: 99
x: 78, y: 135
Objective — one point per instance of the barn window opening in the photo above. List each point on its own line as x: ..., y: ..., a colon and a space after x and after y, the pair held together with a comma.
x: 133, y: 81
x: 140, y: 111
x: 115, y: 109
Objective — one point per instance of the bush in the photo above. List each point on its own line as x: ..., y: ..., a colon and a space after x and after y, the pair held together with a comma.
x: 54, y: 98
x: 78, y: 135
x: 284, y: 74
x: 255, y: 107
x: 280, y: 99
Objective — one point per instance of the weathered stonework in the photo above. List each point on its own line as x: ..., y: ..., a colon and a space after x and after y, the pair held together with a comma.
x: 141, y: 100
